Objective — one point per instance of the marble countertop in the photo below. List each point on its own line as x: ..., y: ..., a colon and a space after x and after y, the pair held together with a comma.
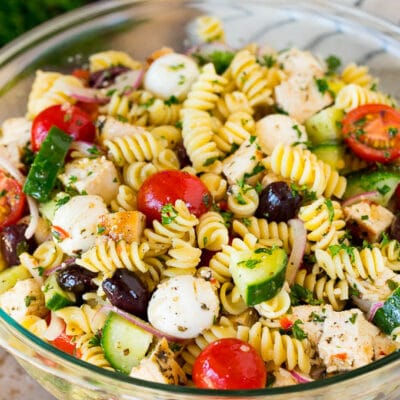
x: 14, y: 382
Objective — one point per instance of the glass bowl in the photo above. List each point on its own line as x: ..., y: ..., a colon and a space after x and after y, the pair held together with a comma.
x: 139, y: 27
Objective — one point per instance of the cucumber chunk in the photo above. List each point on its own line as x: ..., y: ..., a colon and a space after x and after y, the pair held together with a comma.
x: 330, y: 153
x: 325, y: 126
x: 259, y: 274
x: 49, y: 208
x: 55, y: 297
x: 383, y: 181
x: 387, y: 318
x: 10, y: 276
x: 124, y: 344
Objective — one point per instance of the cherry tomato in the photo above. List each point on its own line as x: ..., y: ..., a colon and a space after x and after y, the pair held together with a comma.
x: 229, y: 364
x: 70, y: 119
x: 12, y: 200
x: 372, y: 132
x: 285, y: 323
x: 67, y: 344
x: 166, y: 187
x: 82, y: 74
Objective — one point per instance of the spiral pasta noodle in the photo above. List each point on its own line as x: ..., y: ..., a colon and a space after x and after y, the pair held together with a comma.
x: 304, y: 168
x: 249, y: 78
x: 112, y: 58
x: 211, y: 231
x: 48, y: 254
x: 357, y: 74
x: 143, y: 146
x: 243, y: 202
x: 216, y: 184
x: 332, y: 291
x: 209, y: 29
x: 168, y: 133
x: 366, y: 263
x: 136, y: 173
x: 231, y: 300
x: 234, y: 102
x: 163, y: 114
x: 323, y: 220
x: 197, y: 139
x: 91, y: 352
x: 275, y: 307
x: 352, y: 96
x: 204, y: 92
x: 166, y: 159
x: 107, y: 255
x: 125, y: 200
x: 391, y: 252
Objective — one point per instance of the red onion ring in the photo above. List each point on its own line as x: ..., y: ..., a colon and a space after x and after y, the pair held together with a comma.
x: 64, y: 264
x: 127, y: 82
x: 374, y: 308
x: 87, y: 95
x: 300, y: 378
x: 373, y: 196
x: 299, y: 234
x: 142, y: 324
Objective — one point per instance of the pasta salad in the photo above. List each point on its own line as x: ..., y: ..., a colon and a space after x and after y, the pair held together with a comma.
x: 224, y: 218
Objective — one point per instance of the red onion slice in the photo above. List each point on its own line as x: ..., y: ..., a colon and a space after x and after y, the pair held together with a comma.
x: 127, y: 82
x: 374, y: 308
x: 142, y: 324
x: 55, y: 328
x: 87, y: 95
x: 300, y: 378
x: 373, y: 196
x: 105, y: 77
x: 299, y: 235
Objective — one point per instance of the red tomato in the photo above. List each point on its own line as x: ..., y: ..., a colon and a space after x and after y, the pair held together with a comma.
x: 70, y: 119
x: 285, y: 323
x: 372, y: 132
x: 82, y: 74
x: 66, y: 344
x: 12, y: 200
x: 229, y: 364
x: 166, y: 187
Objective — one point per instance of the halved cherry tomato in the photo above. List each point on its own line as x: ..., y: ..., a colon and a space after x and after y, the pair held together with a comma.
x: 372, y: 132
x: 69, y: 118
x: 12, y: 200
x: 229, y: 364
x: 166, y: 187
x: 66, y: 344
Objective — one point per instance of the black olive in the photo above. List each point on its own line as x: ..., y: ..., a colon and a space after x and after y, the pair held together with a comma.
x: 13, y: 243
x: 395, y: 228
x: 278, y: 202
x: 182, y: 155
x: 126, y: 291
x: 76, y: 279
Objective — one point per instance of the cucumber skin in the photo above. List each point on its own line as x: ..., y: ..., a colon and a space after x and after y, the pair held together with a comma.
x: 367, y: 181
x: 55, y: 297
x: 10, y: 276
x: 46, y: 165
x: 387, y: 318
x: 118, y: 361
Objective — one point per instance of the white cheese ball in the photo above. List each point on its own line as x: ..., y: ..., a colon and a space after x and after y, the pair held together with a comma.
x: 277, y: 128
x: 78, y: 219
x: 183, y: 306
x: 171, y: 75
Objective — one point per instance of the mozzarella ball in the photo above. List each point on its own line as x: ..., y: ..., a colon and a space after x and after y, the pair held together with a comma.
x: 183, y: 306
x: 277, y: 128
x: 75, y: 223
x: 171, y: 75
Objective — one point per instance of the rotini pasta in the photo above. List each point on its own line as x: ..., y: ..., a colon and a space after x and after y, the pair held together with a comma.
x: 357, y: 74
x: 112, y: 58
x: 125, y: 200
x: 216, y: 184
x: 211, y: 232
x: 92, y: 352
x: 209, y: 29
x: 242, y: 201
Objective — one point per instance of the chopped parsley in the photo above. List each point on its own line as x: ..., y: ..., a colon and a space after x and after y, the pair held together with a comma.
x: 256, y: 170
x: 62, y: 200
x: 353, y: 318
x: 317, y: 317
x: 171, y: 100
x: 40, y: 270
x: 240, y: 199
x: 94, y: 340
x: 268, y: 60
x: 353, y: 291
x: 383, y: 190
x: 177, y: 67
x: 168, y: 214
x: 100, y: 229
x: 299, y: 294
x: 149, y: 102
x: 93, y: 150
x: 220, y: 59
x: 385, y: 239
x: 298, y: 333
x: 22, y: 247
x: 331, y: 210
x: 336, y: 248
x: 322, y: 85
x: 210, y: 161
x: 392, y: 285
x: 28, y: 300
x: 333, y: 63
x: 298, y: 131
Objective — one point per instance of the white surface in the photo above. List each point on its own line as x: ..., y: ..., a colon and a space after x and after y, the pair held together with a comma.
x: 15, y: 384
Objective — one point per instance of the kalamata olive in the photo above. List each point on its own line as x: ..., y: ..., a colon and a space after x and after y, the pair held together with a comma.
x: 76, y: 279
x: 278, y: 202
x: 395, y: 228
x: 13, y: 243
x: 105, y: 77
x: 182, y: 155
x: 126, y: 291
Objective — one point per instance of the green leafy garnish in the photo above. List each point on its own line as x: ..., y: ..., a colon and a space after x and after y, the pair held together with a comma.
x: 333, y: 63
x: 168, y: 214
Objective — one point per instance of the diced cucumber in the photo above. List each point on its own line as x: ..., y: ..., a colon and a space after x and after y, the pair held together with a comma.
x: 330, y: 153
x: 48, y: 209
x: 387, y: 318
x: 10, y: 276
x: 325, y: 126
x: 46, y: 165
x: 124, y: 343
x: 55, y: 297
x: 383, y: 181
x: 259, y: 274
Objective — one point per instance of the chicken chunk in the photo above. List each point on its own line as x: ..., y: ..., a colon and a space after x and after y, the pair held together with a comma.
x: 24, y: 299
x: 92, y: 176
x: 243, y: 161
x: 160, y: 366
x: 124, y: 225
x: 371, y: 219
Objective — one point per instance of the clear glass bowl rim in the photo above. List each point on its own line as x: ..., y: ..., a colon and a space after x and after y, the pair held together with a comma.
x: 72, y: 18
